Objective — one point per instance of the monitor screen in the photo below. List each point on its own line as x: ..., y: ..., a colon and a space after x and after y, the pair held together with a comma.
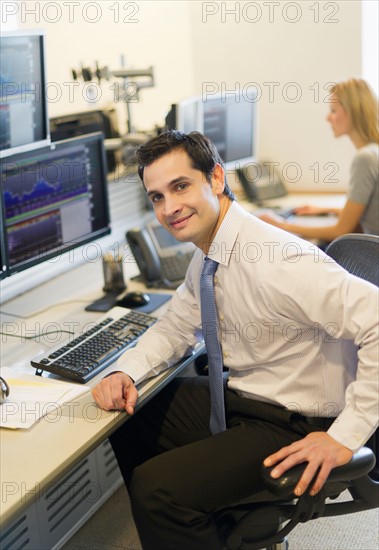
x: 54, y: 199
x: 24, y: 120
x: 229, y: 120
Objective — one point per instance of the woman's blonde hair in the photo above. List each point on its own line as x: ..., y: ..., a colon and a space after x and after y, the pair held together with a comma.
x: 360, y: 102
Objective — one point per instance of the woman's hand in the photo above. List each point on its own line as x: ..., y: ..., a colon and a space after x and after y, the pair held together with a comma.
x: 310, y: 211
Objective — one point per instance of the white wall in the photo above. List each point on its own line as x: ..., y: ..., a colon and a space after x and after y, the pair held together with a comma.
x: 290, y: 49
x: 370, y: 43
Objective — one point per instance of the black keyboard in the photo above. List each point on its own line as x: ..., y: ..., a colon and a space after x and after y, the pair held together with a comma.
x: 88, y: 354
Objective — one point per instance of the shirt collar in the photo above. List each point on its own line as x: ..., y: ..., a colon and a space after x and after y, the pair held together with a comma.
x: 226, y: 236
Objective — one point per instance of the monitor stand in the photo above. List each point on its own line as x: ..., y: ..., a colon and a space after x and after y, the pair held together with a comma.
x: 104, y: 303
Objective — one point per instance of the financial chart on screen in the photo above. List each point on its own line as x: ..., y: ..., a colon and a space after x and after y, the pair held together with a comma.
x: 54, y: 199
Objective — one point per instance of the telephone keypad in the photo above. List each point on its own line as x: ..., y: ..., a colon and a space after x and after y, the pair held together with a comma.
x: 175, y: 267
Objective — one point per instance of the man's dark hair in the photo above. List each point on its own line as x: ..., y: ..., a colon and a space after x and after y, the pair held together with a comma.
x: 200, y: 149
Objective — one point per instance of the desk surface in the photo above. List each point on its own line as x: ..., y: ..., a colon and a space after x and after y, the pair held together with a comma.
x: 292, y: 200
x: 31, y: 459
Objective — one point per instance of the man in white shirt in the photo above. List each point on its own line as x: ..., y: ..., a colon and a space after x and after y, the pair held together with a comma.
x: 298, y: 334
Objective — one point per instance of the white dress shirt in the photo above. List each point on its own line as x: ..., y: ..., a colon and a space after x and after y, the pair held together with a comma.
x: 296, y: 329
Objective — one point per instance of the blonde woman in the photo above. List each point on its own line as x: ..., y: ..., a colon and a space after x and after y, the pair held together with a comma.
x: 353, y: 112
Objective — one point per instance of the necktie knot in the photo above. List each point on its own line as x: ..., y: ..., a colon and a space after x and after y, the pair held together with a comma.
x: 210, y: 266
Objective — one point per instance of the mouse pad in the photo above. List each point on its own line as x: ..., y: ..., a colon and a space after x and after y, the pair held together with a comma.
x: 109, y: 300
x: 156, y: 300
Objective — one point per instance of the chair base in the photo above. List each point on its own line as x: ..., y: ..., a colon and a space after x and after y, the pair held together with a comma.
x: 279, y: 546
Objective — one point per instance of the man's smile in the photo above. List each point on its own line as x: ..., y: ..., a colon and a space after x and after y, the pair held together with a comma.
x: 180, y: 222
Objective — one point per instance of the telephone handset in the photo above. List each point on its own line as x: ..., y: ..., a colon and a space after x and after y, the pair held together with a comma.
x: 162, y: 260
x: 260, y: 182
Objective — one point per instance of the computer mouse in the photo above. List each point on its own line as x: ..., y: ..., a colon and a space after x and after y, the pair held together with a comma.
x: 134, y: 299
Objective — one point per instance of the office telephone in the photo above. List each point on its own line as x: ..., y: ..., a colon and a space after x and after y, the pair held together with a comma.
x: 261, y: 182
x: 162, y: 260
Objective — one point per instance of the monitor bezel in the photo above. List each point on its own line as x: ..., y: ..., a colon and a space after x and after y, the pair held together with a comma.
x: 47, y: 139
x: 3, y: 256
x: 93, y: 236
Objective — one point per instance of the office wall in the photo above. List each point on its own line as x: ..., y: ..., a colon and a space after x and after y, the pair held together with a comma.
x: 291, y: 50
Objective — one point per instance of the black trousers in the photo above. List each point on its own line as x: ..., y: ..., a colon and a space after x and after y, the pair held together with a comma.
x: 178, y: 475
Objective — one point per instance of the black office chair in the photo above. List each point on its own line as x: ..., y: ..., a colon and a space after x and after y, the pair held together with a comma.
x: 266, y: 522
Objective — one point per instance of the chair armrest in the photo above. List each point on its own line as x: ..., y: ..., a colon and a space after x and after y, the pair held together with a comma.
x: 361, y: 464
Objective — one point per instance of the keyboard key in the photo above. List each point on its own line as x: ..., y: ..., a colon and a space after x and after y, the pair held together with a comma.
x: 88, y: 354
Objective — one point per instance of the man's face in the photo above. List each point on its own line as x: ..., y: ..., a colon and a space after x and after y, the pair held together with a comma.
x: 185, y: 203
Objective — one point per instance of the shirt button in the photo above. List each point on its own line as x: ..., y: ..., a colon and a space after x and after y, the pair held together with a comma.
x: 222, y: 317
x: 215, y: 280
x: 225, y: 354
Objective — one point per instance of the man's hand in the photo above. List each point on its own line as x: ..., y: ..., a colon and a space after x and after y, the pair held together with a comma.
x: 321, y: 452
x: 116, y: 391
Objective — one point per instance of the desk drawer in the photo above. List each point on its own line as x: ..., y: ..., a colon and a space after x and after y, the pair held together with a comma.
x: 65, y: 505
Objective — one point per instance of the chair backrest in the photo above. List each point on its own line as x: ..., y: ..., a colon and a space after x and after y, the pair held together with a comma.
x: 358, y: 254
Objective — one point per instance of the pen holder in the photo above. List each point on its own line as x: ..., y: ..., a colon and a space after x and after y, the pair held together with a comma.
x: 113, y: 273
x: 4, y: 390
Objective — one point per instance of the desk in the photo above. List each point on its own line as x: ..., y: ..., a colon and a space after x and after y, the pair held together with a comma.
x: 333, y: 200
x: 292, y: 200
x: 32, y: 460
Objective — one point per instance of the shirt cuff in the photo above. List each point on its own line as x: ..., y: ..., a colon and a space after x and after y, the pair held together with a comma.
x: 128, y: 364
x: 351, y: 431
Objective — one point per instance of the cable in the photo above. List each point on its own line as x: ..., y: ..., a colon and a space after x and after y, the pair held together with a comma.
x: 34, y: 314
x: 21, y: 337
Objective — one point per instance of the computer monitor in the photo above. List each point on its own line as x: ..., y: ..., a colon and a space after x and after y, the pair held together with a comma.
x: 186, y: 115
x: 24, y: 122
x: 54, y: 200
x: 229, y: 120
x: 87, y: 122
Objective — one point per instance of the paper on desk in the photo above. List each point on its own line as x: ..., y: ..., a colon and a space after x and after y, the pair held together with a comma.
x: 32, y: 398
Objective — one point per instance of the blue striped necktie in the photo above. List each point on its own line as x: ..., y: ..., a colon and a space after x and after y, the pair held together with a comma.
x: 209, y: 327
